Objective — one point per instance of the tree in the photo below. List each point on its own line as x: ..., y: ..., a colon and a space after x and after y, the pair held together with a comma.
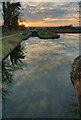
x: 11, y: 13
x: 15, y: 14
x: 4, y: 12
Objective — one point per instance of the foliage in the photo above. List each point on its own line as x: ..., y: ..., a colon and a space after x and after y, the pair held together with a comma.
x: 11, y: 13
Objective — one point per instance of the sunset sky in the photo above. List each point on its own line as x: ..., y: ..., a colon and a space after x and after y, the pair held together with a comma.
x: 50, y: 13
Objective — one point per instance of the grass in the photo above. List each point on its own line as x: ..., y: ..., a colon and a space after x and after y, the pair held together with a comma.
x: 43, y: 34
x: 9, y: 43
x: 8, y: 32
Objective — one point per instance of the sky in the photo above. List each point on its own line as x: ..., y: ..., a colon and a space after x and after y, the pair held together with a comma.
x: 50, y: 13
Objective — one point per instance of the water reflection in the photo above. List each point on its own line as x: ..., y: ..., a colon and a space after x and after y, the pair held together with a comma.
x: 42, y: 87
x: 6, y: 79
x: 7, y: 74
x: 16, y: 54
x: 72, y: 108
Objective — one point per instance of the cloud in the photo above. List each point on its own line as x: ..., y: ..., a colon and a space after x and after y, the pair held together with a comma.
x: 49, y: 11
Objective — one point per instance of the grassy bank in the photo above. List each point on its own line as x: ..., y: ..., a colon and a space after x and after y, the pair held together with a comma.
x: 47, y: 35
x: 10, y: 42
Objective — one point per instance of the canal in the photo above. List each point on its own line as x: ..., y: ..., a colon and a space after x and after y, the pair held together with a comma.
x: 40, y: 85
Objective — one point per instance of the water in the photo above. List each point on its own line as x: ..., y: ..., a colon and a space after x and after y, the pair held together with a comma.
x: 41, y: 85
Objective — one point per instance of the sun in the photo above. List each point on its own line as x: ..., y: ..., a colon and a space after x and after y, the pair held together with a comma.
x: 23, y: 23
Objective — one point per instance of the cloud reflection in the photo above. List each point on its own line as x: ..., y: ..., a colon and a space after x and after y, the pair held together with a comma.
x: 43, y: 80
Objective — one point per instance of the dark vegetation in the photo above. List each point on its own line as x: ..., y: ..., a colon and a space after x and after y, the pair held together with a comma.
x: 16, y: 54
x: 11, y: 13
x: 76, y: 78
x: 16, y: 57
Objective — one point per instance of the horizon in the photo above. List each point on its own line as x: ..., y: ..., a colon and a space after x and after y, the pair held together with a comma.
x: 47, y: 26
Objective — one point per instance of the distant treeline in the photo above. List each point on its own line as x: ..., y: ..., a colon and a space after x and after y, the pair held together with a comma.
x: 59, y: 29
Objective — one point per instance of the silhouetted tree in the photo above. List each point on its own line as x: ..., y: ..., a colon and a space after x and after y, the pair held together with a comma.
x: 15, y: 14
x: 4, y: 12
x: 11, y: 13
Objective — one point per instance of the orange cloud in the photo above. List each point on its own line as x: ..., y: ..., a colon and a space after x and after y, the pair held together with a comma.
x: 61, y: 23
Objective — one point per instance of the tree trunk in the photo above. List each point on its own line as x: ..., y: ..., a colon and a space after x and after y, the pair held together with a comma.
x: 4, y: 13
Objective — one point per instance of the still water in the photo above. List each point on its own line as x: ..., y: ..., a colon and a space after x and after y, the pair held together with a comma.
x: 41, y: 85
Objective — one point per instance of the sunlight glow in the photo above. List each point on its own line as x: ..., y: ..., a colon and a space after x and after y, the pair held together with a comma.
x: 23, y: 23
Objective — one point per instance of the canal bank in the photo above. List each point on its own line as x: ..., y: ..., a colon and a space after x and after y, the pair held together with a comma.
x: 9, y: 43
